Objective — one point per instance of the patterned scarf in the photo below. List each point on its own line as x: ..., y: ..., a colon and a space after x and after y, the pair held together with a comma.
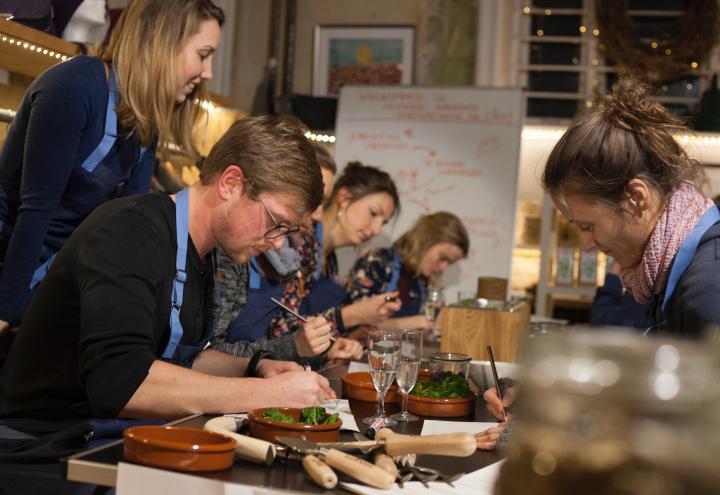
x: 650, y: 276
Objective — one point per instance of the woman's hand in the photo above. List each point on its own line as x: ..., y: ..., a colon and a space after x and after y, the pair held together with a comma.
x: 495, y: 406
x: 313, y: 338
x: 371, y: 310
x: 487, y: 440
x: 345, y: 349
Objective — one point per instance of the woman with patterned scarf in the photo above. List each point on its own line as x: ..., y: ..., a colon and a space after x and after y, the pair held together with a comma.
x: 620, y: 177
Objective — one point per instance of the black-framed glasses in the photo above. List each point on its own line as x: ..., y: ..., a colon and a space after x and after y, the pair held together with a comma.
x: 278, y: 230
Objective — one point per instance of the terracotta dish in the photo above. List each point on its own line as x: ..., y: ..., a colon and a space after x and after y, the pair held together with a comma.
x: 444, y: 408
x: 359, y: 386
x: 182, y: 449
x: 267, y: 429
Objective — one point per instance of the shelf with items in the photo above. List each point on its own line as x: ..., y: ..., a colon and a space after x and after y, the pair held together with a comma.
x: 566, y: 273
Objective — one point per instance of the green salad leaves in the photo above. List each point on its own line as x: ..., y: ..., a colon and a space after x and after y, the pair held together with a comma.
x: 308, y: 415
x: 445, y: 386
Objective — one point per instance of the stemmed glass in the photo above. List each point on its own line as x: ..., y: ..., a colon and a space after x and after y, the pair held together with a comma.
x: 410, y: 355
x: 383, y: 350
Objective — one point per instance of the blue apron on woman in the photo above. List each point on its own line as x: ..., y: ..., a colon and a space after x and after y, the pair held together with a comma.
x: 412, y: 306
x: 254, y: 320
x: 325, y: 292
x: 110, y: 170
x: 116, y: 167
x: 94, y: 432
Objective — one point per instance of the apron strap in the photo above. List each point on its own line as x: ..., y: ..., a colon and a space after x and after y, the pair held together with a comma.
x: 108, y: 139
x: 254, y: 274
x: 181, y: 222
x: 687, y: 251
x: 319, y: 255
x: 395, y: 273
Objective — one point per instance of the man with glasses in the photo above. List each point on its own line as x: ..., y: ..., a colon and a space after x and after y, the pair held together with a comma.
x: 119, y: 327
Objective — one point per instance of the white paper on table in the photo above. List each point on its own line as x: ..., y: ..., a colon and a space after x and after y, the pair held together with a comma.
x: 343, y: 407
x: 140, y: 480
x: 357, y: 366
x: 435, y: 427
x: 480, y: 482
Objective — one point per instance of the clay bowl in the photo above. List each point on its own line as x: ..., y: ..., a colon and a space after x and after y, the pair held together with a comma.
x: 443, y: 408
x: 359, y: 386
x: 267, y: 429
x: 182, y: 449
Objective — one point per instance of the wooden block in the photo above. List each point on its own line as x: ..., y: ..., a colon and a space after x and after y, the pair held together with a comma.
x: 471, y: 330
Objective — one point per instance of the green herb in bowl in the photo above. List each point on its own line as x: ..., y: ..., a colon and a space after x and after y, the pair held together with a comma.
x: 446, y: 387
x: 308, y: 415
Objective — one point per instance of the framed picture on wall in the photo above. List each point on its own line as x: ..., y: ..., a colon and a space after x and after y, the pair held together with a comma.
x: 361, y: 55
x: 564, y: 265
x: 588, y: 267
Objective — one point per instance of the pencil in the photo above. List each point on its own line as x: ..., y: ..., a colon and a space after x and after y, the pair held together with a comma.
x: 295, y: 314
x: 497, y: 380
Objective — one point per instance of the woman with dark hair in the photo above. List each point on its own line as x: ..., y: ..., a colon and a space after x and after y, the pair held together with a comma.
x: 422, y: 253
x: 620, y: 177
x: 362, y: 201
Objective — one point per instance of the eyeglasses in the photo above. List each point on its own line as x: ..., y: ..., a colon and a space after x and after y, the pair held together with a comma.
x: 279, y: 230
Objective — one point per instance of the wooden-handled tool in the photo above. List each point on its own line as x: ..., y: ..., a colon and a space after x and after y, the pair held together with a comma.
x: 382, y: 459
x: 448, y: 444
x: 248, y: 448
x: 354, y: 467
x: 319, y: 471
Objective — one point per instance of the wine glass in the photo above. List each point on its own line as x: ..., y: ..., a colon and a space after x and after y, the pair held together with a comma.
x: 383, y: 350
x: 410, y: 355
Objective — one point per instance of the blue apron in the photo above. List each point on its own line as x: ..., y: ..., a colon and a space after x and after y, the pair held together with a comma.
x: 110, y: 171
x: 254, y: 320
x: 412, y: 306
x: 325, y: 293
x: 687, y: 251
x: 96, y: 432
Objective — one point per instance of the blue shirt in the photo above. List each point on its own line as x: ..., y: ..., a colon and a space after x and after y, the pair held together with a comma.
x: 59, y: 123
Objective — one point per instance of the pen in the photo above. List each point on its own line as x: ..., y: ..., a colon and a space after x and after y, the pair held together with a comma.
x: 497, y: 380
x: 295, y: 314
x: 390, y: 299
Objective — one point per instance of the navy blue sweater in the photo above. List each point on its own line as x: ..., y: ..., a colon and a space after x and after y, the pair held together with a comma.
x: 695, y: 303
x: 59, y: 123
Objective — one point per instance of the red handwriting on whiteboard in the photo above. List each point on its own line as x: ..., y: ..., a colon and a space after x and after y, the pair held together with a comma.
x: 487, y: 145
x: 486, y: 227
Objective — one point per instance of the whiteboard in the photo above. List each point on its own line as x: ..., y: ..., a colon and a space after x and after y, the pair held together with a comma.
x: 453, y: 149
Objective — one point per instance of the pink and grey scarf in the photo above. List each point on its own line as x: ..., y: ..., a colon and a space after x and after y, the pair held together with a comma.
x: 650, y: 276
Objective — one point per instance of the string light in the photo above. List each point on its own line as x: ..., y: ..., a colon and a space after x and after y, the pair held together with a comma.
x: 596, y: 32
x: 694, y: 65
x: 526, y: 10
x: 668, y: 51
x: 540, y: 32
x: 323, y: 138
x: 26, y: 45
x: 582, y: 29
x: 654, y: 44
x: 548, y: 12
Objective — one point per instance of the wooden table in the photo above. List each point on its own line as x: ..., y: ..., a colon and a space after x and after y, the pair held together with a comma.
x: 99, y: 466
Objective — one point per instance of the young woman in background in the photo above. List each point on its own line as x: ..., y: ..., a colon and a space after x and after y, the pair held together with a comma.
x: 422, y: 253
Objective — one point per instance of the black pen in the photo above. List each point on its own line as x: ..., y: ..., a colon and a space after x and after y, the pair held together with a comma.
x: 497, y: 380
x: 295, y: 314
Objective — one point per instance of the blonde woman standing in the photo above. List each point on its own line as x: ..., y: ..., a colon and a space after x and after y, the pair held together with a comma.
x: 88, y: 129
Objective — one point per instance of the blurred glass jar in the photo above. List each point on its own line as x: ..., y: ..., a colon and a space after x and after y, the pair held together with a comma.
x: 442, y: 363
x: 610, y: 412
